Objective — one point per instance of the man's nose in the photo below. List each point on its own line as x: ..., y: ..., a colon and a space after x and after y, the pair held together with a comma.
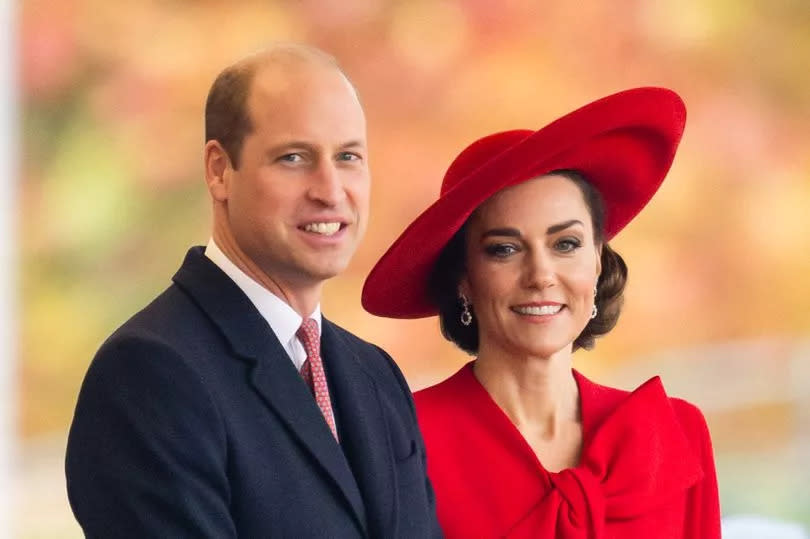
x: 326, y: 185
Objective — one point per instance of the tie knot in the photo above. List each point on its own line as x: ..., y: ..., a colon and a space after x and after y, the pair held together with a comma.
x: 308, y: 335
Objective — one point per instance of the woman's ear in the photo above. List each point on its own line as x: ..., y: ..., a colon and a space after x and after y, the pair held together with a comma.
x: 464, y: 288
x: 598, y: 261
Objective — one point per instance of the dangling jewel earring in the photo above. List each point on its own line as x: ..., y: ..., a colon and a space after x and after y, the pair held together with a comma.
x: 594, y: 311
x: 466, y: 315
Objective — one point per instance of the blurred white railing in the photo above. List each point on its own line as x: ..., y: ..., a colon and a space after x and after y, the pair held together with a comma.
x: 8, y: 259
x: 755, y: 395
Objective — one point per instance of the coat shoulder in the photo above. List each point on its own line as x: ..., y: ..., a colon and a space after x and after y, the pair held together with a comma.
x: 376, y: 362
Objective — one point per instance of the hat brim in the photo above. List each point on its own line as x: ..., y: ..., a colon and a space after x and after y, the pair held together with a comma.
x: 624, y: 144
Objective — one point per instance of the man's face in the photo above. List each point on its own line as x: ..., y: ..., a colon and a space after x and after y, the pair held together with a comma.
x: 298, y: 204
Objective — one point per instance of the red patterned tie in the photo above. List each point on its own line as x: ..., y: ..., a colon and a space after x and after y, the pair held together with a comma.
x: 312, y: 370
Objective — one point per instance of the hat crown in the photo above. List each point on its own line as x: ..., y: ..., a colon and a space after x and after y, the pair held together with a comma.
x: 480, y: 153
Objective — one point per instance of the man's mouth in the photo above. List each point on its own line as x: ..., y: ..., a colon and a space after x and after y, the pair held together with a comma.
x: 324, y: 229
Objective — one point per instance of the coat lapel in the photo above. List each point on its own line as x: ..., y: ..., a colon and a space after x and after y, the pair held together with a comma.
x: 273, y: 375
x: 364, y: 432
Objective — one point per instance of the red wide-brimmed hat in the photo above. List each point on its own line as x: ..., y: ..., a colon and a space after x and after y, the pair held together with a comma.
x: 623, y: 144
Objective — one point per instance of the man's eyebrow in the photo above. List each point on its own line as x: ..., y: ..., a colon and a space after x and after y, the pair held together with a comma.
x: 353, y: 144
x: 292, y: 144
x: 310, y: 147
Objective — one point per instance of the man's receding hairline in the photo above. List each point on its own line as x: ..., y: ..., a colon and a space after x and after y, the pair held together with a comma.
x: 285, y: 55
x: 227, y: 110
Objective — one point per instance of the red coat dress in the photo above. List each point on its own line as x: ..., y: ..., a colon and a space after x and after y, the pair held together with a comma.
x: 646, y: 470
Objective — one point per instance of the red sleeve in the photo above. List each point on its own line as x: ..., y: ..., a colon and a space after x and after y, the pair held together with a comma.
x: 702, y: 517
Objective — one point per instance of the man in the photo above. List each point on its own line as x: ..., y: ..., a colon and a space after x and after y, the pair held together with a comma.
x: 208, y: 414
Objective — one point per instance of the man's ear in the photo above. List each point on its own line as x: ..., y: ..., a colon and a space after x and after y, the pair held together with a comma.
x: 217, y: 170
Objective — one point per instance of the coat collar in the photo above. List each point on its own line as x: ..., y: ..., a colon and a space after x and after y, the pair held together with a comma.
x: 272, y: 375
x: 363, y: 428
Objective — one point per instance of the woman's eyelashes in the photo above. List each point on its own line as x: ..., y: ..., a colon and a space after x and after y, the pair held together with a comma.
x: 567, y: 244
x: 500, y: 250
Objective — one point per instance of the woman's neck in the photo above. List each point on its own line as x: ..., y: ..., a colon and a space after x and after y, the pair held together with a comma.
x: 540, y: 395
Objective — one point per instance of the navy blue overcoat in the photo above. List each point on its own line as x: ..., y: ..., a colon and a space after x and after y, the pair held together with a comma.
x: 193, y: 422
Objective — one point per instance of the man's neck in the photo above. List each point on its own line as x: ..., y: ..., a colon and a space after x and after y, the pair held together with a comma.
x: 303, y: 299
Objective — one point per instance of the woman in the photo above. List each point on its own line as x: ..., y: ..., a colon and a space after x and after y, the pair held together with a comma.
x: 514, y: 258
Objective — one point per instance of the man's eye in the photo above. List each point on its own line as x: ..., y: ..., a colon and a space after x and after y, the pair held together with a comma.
x: 500, y: 250
x: 348, y: 156
x: 291, y: 158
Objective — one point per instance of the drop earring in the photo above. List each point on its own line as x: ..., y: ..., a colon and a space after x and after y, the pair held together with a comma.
x: 466, y: 315
x: 594, y: 311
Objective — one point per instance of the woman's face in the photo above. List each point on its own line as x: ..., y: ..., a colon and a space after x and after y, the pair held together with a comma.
x: 532, y: 264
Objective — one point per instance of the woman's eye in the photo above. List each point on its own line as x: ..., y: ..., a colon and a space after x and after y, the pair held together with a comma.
x: 501, y: 250
x: 566, y: 245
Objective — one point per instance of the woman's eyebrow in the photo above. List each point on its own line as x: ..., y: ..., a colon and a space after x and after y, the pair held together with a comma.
x: 512, y: 232
x: 562, y: 226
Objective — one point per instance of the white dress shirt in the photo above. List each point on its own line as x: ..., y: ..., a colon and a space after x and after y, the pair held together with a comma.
x: 283, y: 320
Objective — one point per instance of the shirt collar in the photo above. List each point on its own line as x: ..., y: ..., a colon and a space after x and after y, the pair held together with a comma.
x: 282, y: 318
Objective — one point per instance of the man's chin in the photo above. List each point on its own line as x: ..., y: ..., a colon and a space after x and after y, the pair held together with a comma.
x: 326, y: 273
x: 322, y: 270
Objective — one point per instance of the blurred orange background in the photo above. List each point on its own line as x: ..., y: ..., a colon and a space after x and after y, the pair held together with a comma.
x: 112, y: 192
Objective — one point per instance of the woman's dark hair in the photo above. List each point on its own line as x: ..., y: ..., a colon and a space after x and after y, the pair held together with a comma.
x: 450, y: 268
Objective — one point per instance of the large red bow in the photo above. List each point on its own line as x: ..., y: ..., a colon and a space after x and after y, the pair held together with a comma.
x: 636, y: 460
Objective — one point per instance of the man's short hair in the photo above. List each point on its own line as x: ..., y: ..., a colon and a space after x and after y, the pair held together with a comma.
x: 227, y: 119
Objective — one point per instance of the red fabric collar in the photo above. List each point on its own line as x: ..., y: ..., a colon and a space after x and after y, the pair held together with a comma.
x: 635, y: 457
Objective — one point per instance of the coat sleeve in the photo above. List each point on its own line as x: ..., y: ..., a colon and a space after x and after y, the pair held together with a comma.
x: 702, y: 503
x: 146, y: 453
